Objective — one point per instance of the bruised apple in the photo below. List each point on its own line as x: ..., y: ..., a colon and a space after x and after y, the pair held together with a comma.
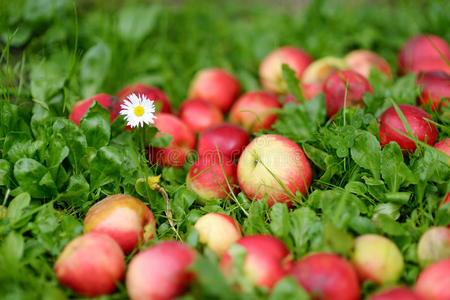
x: 81, y: 107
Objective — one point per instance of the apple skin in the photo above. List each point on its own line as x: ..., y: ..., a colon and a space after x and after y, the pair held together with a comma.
x: 81, y: 107
x: 124, y: 218
x: 216, y: 86
x: 218, y: 231
x: 208, y: 177
x: 309, y: 92
x: 162, y: 103
x: 199, y: 114
x: 91, y: 265
x: 254, y: 111
x: 433, y: 282
x: 362, y: 61
x: 160, y: 272
x: 268, y: 161
x: 434, y: 86
x: 225, y: 138
x: 419, y: 54
x: 270, y: 70
x: 335, y: 86
x: 444, y: 147
x: 446, y: 200
x: 183, y: 142
x: 321, y: 69
x: 434, y: 245
x: 377, y: 258
x: 422, y: 130
x: 341, y: 279
x: 395, y: 293
x: 267, y: 261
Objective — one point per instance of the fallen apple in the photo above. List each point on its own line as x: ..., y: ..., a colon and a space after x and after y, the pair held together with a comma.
x: 321, y: 69
x: 162, y: 103
x: 81, y: 107
x: 434, y: 245
x: 435, y: 89
x: 362, y: 61
x: 433, y: 282
x: 199, y: 114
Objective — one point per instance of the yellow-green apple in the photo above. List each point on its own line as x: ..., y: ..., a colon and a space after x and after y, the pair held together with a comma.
x: 216, y: 86
x: 160, y: 272
x: 199, y: 114
x: 435, y: 89
x: 434, y: 245
x: 81, y: 107
x: 395, y: 293
x: 362, y: 61
x: 162, y: 103
x: 433, y: 282
x: 91, y: 265
x: 321, y: 69
x: 124, y: 218
x: 275, y: 166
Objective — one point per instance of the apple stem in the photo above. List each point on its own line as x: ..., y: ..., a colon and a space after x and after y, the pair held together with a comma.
x: 167, y: 210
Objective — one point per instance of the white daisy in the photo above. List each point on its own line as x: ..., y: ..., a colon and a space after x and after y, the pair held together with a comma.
x: 138, y: 110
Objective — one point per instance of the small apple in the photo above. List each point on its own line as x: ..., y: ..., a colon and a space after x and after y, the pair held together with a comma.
x: 162, y: 103
x: 91, y: 265
x: 395, y: 293
x: 160, y: 272
x: 81, y: 107
x: 199, y: 114
x: 362, y: 61
x: 216, y: 86
x: 433, y: 283
x: 218, y: 231
x: 435, y: 88
x: 321, y: 69
x: 255, y: 111
x: 275, y: 166
x: 434, y: 245
x: 309, y: 91
x: 270, y: 70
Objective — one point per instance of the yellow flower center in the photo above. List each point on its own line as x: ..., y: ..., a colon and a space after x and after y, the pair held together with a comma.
x: 139, y: 111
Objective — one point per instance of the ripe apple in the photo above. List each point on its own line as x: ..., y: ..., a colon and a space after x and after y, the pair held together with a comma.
x: 309, y: 91
x: 419, y: 53
x: 124, y: 218
x: 255, y: 111
x: 162, y: 103
x: 91, y: 265
x: 341, y: 279
x: 267, y: 260
x: 228, y: 139
x: 433, y: 282
x: 321, y: 69
x: 362, y: 61
x: 444, y: 147
x: 81, y: 107
x: 218, y: 231
x: 446, y: 199
x: 435, y: 88
x: 199, y: 114
x: 377, y: 258
x: 341, y: 83
x: 395, y: 293
x: 208, y: 177
x: 183, y: 142
x: 216, y: 86
x: 390, y: 122
x: 275, y: 166
x: 270, y: 70
x: 434, y: 245
x: 160, y: 272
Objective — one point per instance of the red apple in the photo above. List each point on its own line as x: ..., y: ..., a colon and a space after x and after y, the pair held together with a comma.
x: 341, y: 83
x: 435, y: 88
x: 321, y: 69
x: 433, y: 283
x: 81, y: 107
x: 434, y: 245
x: 309, y: 91
x: 162, y: 103
x: 270, y: 70
x: 362, y: 61
x: 208, y: 177
x: 327, y: 276
x: 267, y: 260
x: 255, y: 111
x: 275, y: 166
x: 443, y: 146
x: 160, y: 272
x: 389, y: 123
x: 419, y: 53
x: 446, y: 199
x: 216, y: 86
x: 396, y: 293
x: 124, y: 218
x: 183, y: 142
x: 218, y: 231
x: 91, y: 265
x: 199, y: 114
x: 228, y: 139
x: 377, y: 258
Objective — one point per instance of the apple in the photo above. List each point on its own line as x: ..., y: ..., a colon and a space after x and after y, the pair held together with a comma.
x: 395, y: 293
x: 309, y: 92
x: 270, y: 70
x: 419, y: 53
x: 433, y: 283
x: 377, y: 258
x: 341, y: 279
x: 216, y: 86
x: 81, y: 107
x: 362, y: 61
x: 444, y: 147
x: 435, y: 89
x: 160, y: 272
x: 162, y: 103
x: 228, y: 139
x: 91, y: 265
x: 183, y: 142
x: 390, y: 122
x: 434, y: 245
x: 321, y: 69
x: 208, y: 177
x: 199, y: 114
x: 267, y: 260
x: 124, y: 218
x: 446, y: 199
x: 275, y: 166
x: 342, y: 83
x: 255, y: 111
x: 218, y: 231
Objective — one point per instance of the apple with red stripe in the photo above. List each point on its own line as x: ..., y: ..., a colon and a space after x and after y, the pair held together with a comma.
x: 81, y: 107
x: 199, y: 114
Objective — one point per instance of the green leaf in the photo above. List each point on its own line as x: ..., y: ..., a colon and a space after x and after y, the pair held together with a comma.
x: 362, y: 225
x: 136, y: 22
x: 387, y: 225
x: 404, y: 89
x: 75, y: 140
x: 366, y: 152
x: 305, y: 226
x: 77, y: 191
x: 443, y: 215
x: 280, y: 224
x: 47, y: 78
x: 395, y: 172
x: 288, y: 288
x: 5, y: 173
x: 161, y: 141
x: 34, y: 178
x: 17, y: 205
x: 105, y: 167
x: 12, y: 247
x: 94, y: 68
x: 255, y: 223
x: 293, y: 84
x: 95, y: 126
x: 338, y: 240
